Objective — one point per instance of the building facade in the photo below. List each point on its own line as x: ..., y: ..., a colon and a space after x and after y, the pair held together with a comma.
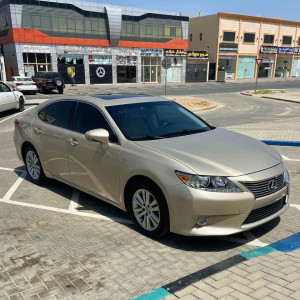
x: 235, y: 41
x: 98, y: 43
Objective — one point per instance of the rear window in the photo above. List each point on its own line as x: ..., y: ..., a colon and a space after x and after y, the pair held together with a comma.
x: 24, y: 79
x: 52, y: 75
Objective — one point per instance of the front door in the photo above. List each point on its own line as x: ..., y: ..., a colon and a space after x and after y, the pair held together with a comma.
x: 91, y: 166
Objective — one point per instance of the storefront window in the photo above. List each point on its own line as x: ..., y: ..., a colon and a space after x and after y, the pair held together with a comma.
x: 296, y: 67
x: 227, y: 64
x: 246, y: 66
x: 151, y: 69
x: 265, y: 69
x: 70, y: 59
x: 126, y: 69
x: 100, y: 59
x: 283, y: 67
x: 174, y: 73
x: 34, y: 62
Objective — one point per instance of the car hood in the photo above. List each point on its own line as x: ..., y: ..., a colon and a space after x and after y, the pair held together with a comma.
x: 217, y: 152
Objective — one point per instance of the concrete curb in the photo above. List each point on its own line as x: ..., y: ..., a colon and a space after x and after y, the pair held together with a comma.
x: 270, y: 97
x: 204, y: 109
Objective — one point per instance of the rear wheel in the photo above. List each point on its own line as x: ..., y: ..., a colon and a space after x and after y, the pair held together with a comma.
x: 149, y: 209
x: 21, y: 106
x: 33, y: 166
x: 60, y: 90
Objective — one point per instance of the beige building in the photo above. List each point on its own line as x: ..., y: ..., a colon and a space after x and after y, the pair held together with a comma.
x: 235, y: 41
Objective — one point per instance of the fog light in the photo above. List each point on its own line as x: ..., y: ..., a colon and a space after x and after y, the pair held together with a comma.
x: 202, y: 221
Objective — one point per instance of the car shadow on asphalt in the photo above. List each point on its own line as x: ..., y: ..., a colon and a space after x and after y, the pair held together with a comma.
x: 95, y: 206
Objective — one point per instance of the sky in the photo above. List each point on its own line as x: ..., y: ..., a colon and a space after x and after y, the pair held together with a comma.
x: 286, y: 9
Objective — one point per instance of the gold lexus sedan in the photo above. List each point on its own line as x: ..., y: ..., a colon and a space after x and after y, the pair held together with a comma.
x: 153, y: 158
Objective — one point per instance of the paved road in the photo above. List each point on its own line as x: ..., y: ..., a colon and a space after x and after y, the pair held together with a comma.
x: 174, y: 89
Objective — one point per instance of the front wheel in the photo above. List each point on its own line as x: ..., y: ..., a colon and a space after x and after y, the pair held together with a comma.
x: 21, y: 106
x: 149, y: 209
x: 34, y: 166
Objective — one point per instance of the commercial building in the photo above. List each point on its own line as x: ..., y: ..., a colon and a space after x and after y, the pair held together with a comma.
x: 235, y: 41
x: 92, y: 42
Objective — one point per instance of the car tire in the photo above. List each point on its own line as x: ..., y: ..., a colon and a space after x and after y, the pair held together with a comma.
x: 33, y: 166
x: 148, y: 209
x: 34, y: 92
x: 60, y: 90
x: 21, y: 106
x: 58, y: 82
x: 43, y: 90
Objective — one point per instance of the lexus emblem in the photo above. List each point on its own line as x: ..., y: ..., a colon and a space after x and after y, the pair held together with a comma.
x: 272, y: 185
x: 100, y: 72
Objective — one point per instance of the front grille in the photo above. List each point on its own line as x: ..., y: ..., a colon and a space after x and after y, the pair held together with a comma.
x: 261, y: 188
x: 264, y: 212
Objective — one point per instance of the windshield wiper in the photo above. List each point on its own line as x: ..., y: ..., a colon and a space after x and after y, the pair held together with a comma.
x: 184, y: 131
x: 148, y: 137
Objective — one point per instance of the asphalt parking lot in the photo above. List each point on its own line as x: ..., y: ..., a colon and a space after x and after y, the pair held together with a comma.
x: 61, y: 243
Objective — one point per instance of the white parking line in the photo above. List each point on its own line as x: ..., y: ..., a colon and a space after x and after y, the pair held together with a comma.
x: 16, y: 114
x: 295, y: 205
x: 14, y: 187
x: 290, y: 159
x: 74, y: 201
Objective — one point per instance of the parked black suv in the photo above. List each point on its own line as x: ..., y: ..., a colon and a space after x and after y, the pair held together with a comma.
x: 47, y: 81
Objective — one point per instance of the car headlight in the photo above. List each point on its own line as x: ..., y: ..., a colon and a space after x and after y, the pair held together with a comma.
x: 208, y: 183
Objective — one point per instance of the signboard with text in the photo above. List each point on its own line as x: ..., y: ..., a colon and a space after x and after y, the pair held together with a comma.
x: 228, y: 47
x: 197, y: 55
x: 268, y: 49
x: 175, y: 52
x: 285, y: 50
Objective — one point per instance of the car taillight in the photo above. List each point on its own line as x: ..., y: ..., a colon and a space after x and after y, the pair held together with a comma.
x: 33, y: 83
x: 63, y: 81
x: 45, y: 82
x: 19, y: 84
x: 16, y: 123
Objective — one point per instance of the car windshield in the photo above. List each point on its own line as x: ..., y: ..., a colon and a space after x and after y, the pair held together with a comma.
x: 155, y: 120
x: 24, y: 79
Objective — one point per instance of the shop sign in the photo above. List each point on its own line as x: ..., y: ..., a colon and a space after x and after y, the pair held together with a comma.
x: 230, y: 75
x: 100, y: 59
x: 267, y: 59
x: 297, y: 51
x: 269, y: 49
x: 127, y: 51
x: 227, y: 57
x: 151, y: 52
x: 126, y: 60
x: 285, y: 50
x: 36, y: 49
x: 197, y: 55
x: 228, y: 47
x: 175, y: 52
x: 82, y: 50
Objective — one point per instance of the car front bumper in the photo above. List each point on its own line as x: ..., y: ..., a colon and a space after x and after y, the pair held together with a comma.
x: 226, y: 212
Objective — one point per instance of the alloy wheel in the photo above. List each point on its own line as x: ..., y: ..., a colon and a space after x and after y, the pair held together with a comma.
x: 33, y: 165
x: 146, y: 209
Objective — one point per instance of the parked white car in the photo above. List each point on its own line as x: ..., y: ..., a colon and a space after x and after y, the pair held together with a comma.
x: 22, y: 84
x: 10, y: 99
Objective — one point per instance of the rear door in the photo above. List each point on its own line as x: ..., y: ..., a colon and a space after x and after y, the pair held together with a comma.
x: 51, y: 133
x: 7, y: 97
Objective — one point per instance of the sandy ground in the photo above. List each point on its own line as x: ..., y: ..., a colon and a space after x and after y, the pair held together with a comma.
x: 192, y: 103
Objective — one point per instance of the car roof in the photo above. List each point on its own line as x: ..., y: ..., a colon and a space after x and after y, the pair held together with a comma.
x: 111, y: 99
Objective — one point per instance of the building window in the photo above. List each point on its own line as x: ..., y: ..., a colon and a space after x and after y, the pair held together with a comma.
x: 200, y: 36
x: 229, y: 36
x: 286, y: 40
x: 191, y: 37
x: 249, y: 38
x: 173, y: 31
x: 269, y: 39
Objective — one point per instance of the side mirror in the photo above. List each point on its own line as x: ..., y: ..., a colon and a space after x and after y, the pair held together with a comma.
x: 98, y: 135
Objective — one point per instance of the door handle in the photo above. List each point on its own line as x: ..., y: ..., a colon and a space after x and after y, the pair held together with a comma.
x: 37, y: 130
x: 73, y: 141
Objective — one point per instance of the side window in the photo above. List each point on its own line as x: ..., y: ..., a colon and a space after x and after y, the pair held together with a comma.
x: 88, y: 117
x: 42, y: 114
x: 59, y: 113
x: 4, y: 88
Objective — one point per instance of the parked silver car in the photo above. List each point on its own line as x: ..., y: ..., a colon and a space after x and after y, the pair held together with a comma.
x: 150, y: 156
x: 10, y: 99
